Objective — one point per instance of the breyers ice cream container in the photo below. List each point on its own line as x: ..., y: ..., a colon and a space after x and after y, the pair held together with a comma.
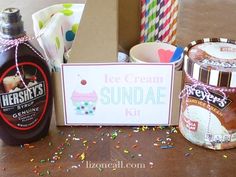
x: 208, y: 108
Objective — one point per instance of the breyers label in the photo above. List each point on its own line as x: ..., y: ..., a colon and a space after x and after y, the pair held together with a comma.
x: 211, y: 97
x: 23, y: 107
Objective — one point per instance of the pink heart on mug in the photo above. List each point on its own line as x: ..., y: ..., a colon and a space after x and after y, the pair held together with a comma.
x: 165, y: 55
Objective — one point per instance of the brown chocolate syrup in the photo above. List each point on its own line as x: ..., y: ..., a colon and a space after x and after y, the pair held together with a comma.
x: 25, y: 112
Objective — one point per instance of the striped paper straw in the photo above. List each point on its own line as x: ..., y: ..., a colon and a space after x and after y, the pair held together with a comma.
x: 171, y: 19
x: 174, y: 15
x: 155, y: 17
x: 143, y: 9
x: 147, y: 2
x: 151, y: 20
x: 159, y: 20
x: 166, y: 21
x: 157, y: 23
x: 161, y: 16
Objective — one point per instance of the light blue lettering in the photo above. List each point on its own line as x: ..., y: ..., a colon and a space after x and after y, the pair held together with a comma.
x: 138, y: 95
x: 115, y: 96
x: 132, y: 95
x: 161, y: 95
x: 127, y: 95
x: 150, y: 98
x: 105, y: 95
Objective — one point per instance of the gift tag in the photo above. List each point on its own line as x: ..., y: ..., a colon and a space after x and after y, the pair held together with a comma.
x: 117, y: 94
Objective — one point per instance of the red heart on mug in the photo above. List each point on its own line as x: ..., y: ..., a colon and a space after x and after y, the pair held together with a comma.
x: 165, y: 55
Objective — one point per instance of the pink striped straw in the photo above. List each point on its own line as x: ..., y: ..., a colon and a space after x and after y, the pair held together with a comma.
x: 166, y: 25
x: 164, y: 22
x: 143, y: 9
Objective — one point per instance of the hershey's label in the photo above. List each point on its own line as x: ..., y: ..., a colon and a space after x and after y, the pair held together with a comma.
x: 22, y: 96
x: 213, y: 98
x: 22, y: 108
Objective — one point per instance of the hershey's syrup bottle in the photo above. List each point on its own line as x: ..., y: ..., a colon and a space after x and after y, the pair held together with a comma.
x: 25, y: 114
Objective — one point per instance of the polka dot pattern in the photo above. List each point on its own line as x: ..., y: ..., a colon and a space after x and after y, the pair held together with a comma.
x: 67, y: 12
x: 60, y: 22
x: 40, y: 24
x: 67, y: 5
x: 70, y: 35
x: 75, y: 27
x: 85, y: 107
x: 58, y: 44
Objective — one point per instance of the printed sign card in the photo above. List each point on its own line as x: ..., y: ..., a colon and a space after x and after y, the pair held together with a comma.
x: 117, y: 94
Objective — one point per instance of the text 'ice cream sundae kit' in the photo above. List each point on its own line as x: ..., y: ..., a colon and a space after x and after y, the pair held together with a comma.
x: 103, y: 69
